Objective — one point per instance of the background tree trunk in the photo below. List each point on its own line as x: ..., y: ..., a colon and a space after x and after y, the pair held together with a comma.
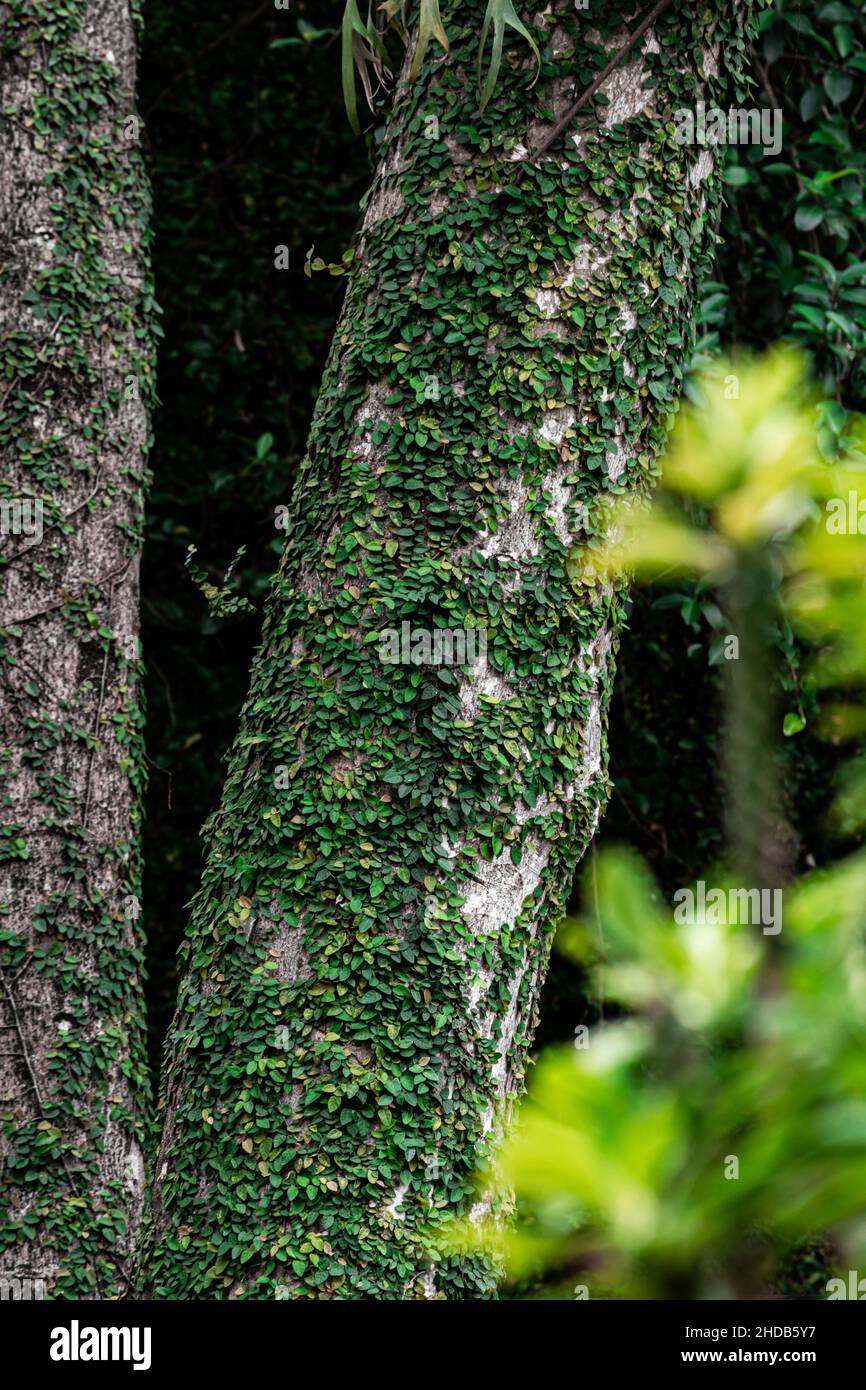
x: 76, y: 374
x: 396, y: 840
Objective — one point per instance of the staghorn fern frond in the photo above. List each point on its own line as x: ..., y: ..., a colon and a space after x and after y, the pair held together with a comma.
x: 364, y: 49
x: 501, y: 13
x: 429, y: 27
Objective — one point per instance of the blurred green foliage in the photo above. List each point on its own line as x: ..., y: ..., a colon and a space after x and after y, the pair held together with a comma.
x: 683, y: 1149
x: 668, y: 697
x: 667, y: 707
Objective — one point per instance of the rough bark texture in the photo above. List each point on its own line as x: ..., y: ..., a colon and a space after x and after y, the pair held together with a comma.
x: 396, y: 839
x: 76, y: 369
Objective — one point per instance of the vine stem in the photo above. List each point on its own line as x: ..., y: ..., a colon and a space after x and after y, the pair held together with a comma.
x: 10, y: 1000
x: 99, y: 707
x: 70, y: 595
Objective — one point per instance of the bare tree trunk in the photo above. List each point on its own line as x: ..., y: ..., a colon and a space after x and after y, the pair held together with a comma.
x: 398, y: 831
x: 76, y: 377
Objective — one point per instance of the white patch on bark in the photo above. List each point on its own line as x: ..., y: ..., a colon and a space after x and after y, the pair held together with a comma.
x: 629, y: 96
x: 288, y: 950
x: 548, y: 303
x: 593, y: 663
x: 555, y: 424
x: 482, y: 682
x: 498, y: 889
x: 515, y: 538
x: 626, y: 87
x: 711, y: 61
x: 702, y: 168
x: 374, y: 410
x: 615, y: 462
x: 134, y: 1175
x: 392, y: 1209
x: 557, y: 509
x: 590, y: 260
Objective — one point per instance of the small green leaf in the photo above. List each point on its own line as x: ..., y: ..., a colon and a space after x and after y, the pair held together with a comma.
x: 793, y: 723
x: 811, y: 102
x: 838, y: 86
x: 808, y: 216
x: 844, y: 36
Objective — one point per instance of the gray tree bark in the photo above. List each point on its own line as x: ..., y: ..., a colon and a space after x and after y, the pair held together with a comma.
x: 76, y: 379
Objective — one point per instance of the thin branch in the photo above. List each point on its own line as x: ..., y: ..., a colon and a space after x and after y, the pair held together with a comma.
x: 70, y: 596
x: 10, y: 999
x: 96, y: 721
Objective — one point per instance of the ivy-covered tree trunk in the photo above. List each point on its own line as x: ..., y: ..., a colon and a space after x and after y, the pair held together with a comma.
x: 76, y: 372
x: 398, y: 834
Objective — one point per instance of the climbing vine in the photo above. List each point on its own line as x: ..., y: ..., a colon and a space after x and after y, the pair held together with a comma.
x: 76, y: 381
x: 395, y: 840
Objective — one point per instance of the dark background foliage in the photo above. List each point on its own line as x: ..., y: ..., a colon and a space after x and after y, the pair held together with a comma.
x: 250, y: 150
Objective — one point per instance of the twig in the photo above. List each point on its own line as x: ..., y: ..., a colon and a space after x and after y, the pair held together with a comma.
x: 25, y: 1054
x: 648, y: 830
x: 98, y: 718
x: 601, y: 948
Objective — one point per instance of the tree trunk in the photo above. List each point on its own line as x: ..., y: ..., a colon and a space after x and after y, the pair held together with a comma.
x: 398, y: 834
x: 76, y: 373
